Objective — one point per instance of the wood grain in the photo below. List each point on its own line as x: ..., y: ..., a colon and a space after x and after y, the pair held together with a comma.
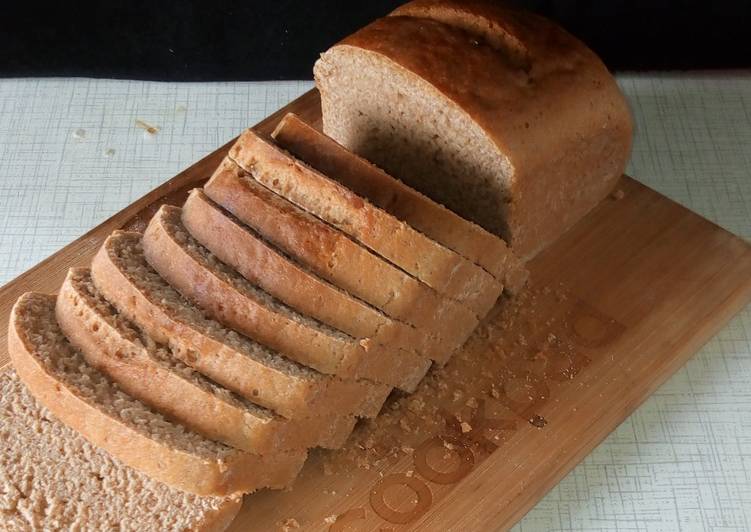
x: 615, y: 307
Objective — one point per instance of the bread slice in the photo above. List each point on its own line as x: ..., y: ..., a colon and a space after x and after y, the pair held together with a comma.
x: 405, y: 203
x: 338, y: 259
x: 87, y: 401
x: 231, y: 300
x: 498, y: 114
x: 266, y: 266
x: 54, y: 479
x: 440, y: 268
x: 154, y: 375
x: 122, y: 275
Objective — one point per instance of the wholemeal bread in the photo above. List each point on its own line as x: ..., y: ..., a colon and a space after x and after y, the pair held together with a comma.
x: 405, y: 203
x: 500, y: 115
x: 233, y: 301
x: 265, y: 265
x: 121, y: 273
x: 437, y: 266
x: 338, y: 259
x: 53, y: 479
x: 87, y: 401
x: 154, y: 375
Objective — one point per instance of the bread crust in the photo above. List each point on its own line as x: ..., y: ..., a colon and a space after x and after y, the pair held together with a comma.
x: 341, y: 356
x: 259, y: 262
x: 442, y: 269
x: 240, y: 473
x: 543, y: 98
x: 291, y: 396
x: 402, y: 201
x: 336, y: 258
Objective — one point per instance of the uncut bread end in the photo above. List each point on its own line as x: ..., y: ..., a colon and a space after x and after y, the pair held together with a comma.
x: 439, y: 267
x: 120, y: 272
x: 54, y: 479
x: 442, y: 123
x: 400, y: 200
x: 230, y: 299
x: 85, y: 400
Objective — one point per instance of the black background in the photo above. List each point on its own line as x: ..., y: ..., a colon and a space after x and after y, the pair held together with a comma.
x: 183, y: 40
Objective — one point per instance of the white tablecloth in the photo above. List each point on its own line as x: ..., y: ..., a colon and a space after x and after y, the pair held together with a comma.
x: 71, y: 154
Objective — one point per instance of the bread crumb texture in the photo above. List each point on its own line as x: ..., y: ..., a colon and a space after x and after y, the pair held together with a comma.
x: 162, y: 355
x: 36, y: 312
x: 53, y: 479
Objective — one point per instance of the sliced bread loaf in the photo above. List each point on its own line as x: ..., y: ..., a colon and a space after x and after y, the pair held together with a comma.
x: 338, y: 259
x: 87, y: 401
x: 230, y: 299
x: 122, y: 275
x: 498, y: 114
x: 153, y: 374
x: 53, y: 479
x: 265, y: 265
x: 440, y: 268
x: 405, y: 203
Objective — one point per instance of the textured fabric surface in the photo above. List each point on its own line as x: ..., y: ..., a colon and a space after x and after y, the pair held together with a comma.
x: 72, y: 153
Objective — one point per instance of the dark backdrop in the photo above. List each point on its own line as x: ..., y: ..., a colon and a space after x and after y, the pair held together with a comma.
x: 249, y: 40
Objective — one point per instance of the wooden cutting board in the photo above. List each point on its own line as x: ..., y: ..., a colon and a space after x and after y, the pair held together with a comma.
x: 613, y: 309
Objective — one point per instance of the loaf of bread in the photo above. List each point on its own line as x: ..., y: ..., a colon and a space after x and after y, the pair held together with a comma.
x: 500, y: 115
x: 86, y: 400
x: 54, y: 479
x: 303, y: 282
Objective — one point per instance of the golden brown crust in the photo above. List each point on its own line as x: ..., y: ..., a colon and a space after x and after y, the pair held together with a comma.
x: 440, y: 268
x: 505, y: 29
x: 293, y: 397
x: 545, y: 100
x: 239, y: 473
x: 402, y: 201
x: 342, y: 356
x: 338, y: 259
x: 259, y: 262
